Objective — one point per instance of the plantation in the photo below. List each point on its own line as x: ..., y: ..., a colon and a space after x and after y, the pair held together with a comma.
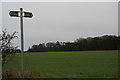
x: 73, y: 64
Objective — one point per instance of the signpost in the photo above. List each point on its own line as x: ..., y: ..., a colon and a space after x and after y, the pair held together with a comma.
x: 14, y: 13
x: 21, y: 14
x: 28, y: 14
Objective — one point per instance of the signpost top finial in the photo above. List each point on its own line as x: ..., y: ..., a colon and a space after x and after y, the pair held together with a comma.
x: 21, y: 8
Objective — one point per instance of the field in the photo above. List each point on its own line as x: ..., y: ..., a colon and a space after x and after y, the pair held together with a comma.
x: 79, y: 64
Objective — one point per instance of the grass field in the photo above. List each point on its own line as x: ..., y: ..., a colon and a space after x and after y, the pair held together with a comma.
x: 79, y: 64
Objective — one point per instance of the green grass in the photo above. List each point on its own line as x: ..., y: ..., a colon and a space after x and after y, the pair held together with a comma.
x: 79, y: 64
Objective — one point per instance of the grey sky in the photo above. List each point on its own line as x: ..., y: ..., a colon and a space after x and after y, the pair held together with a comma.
x: 60, y: 0
x: 62, y: 21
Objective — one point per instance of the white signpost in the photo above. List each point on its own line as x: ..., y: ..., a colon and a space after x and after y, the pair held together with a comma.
x: 21, y: 14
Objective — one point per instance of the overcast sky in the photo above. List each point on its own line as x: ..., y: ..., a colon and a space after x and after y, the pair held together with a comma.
x: 61, y: 21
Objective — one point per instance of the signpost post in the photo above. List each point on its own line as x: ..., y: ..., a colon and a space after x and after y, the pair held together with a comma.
x: 21, y: 14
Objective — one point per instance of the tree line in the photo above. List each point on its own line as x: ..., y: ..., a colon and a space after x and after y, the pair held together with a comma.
x: 106, y: 42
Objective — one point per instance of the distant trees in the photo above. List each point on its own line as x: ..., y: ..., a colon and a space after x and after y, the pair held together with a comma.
x: 106, y: 42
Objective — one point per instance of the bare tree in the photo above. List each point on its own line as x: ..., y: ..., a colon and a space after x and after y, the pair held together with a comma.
x: 6, y: 45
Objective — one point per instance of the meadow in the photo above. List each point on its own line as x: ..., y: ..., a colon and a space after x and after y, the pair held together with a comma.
x: 73, y: 64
